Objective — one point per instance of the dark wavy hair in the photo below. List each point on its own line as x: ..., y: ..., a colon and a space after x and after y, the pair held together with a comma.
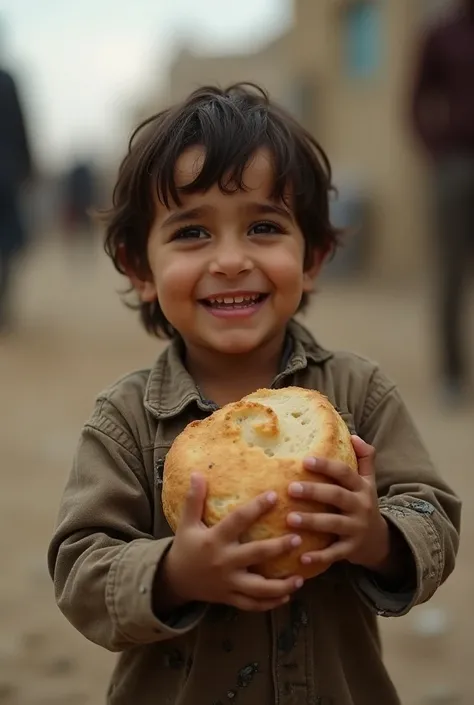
x: 230, y: 124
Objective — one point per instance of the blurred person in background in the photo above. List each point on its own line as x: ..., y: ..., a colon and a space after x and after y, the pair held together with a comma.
x: 80, y: 198
x: 443, y: 116
x: 15, y: 169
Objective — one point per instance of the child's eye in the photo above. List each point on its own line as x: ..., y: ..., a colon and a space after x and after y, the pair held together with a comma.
x: 191, y: 232
x: 265, y: 228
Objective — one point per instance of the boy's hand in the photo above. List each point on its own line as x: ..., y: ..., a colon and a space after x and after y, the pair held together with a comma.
x: 363, y: 534
x: 211, y: 565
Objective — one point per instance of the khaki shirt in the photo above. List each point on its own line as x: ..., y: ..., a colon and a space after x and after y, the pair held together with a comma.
x: 323, y: 647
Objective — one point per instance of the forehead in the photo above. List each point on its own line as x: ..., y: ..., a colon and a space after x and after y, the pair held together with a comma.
x: 258, y: 174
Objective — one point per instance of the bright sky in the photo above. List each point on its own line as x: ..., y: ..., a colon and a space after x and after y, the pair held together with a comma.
x: 83, y: 64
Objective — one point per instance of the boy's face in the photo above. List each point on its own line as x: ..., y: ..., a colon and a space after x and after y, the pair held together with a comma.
x: 227, y: 270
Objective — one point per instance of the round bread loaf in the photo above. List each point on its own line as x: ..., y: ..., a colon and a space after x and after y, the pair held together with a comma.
x: 253, y: 446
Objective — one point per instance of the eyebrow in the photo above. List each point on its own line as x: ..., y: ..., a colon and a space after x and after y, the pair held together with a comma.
x: 184, y: 216
x: 266, y: 208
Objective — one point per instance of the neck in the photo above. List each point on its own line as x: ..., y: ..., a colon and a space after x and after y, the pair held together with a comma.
x: 226, y: 378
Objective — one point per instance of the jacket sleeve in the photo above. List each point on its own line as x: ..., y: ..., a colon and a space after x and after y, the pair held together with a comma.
x: 413, y: 497
x: 103, y: 557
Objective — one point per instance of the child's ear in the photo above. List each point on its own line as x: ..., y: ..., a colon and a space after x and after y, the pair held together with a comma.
x: 314, y: 262
x: 145, y: 288
x: 143, y: 285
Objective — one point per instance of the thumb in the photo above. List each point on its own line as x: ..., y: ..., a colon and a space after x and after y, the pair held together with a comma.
x: 365, y: 454
x: 193, y: 508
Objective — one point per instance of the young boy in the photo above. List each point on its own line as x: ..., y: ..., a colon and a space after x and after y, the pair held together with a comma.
x: 220, y: 220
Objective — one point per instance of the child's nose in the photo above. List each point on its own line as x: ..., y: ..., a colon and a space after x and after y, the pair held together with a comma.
x: 231, y: 261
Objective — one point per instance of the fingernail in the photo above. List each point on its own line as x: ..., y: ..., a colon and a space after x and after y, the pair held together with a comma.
x: 299, y: 582
x: 272, y: 497
x: 296, y: 541
x: 295, y: 519
x: 296, y: 488
x: 306, y: 560
x: 194, y: 481
x: 311, y: 463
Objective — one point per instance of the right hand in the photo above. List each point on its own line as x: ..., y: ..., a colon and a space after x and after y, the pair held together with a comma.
x: 212, y: 565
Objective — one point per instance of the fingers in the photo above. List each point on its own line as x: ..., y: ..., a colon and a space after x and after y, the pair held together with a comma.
x: 336, y: 471
x: 337, y: 524
x: 338, y: 551
x: 240, y: 520
x: 259, y: 588
x: 256, y: 552
x: 194, y: 505
x: 365, y: 454
x: 325, y: 493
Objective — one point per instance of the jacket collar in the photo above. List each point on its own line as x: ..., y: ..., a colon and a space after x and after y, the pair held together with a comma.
x: 170, y: 388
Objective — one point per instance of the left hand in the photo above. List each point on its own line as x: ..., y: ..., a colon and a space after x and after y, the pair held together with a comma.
x: 363, y: 535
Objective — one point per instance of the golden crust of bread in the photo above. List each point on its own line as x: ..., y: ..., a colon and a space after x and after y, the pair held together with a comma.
x: 253, y: 446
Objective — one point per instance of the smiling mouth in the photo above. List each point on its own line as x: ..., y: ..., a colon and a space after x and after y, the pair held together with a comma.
x: 233, y: 302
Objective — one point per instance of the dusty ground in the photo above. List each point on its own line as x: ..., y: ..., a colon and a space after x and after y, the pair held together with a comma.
x: 74, y: 339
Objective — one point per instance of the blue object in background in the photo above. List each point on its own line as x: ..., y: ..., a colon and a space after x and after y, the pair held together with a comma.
x: 362, y: 38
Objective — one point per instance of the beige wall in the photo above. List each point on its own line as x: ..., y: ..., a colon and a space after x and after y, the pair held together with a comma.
x: 361, y: 123
x: 269, y: 67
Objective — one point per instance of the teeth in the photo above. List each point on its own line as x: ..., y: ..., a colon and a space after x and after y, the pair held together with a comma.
x: 229, y: 300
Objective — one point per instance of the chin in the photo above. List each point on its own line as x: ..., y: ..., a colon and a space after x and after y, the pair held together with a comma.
x: 235, y: 344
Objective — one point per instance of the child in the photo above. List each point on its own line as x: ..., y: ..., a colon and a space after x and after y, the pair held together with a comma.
x: 220, y: 221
